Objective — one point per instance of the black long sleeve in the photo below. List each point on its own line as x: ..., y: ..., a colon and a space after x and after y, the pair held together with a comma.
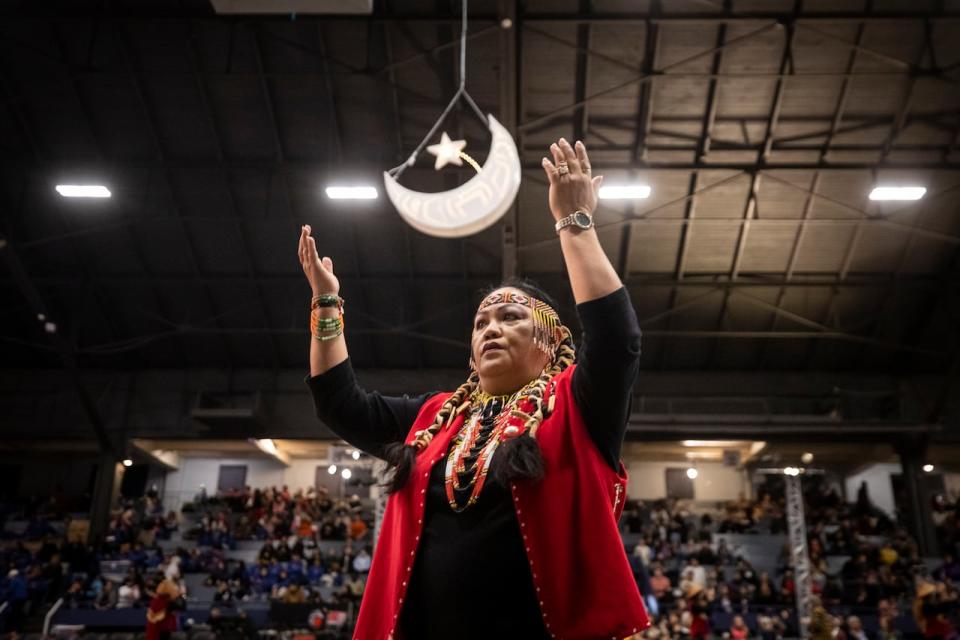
x: 368, y: 421
x: 607, y: 367
x: 608, y: 362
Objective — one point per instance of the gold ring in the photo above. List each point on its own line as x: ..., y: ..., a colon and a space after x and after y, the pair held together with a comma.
x: 563, y: 169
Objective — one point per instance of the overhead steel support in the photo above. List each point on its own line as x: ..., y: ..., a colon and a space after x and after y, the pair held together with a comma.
x: 46, y: 167
x: 180, y: 11
x: 582, y: 74
x: 39, y: 154
x: 649, y: 279
x: 750, y: 208
x: 131, y: 65
x: 703, y: 147
x: 643, y: 127
x: 53, y: 328
x: 646, y: 78
x: 896, y: 127
x: 511, y: 109
x: 204, y: 90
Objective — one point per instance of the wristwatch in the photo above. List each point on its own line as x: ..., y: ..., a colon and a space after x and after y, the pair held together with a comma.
x: 579, y: 218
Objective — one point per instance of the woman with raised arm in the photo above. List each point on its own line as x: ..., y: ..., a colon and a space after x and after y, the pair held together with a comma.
x: 505, y: 495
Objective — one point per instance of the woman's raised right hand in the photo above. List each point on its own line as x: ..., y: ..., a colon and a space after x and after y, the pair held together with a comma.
x: 319, y: 272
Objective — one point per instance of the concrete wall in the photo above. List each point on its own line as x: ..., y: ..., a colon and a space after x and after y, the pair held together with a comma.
x: 879, y: 486
x: 183, y: 484
x: 647, y: 481
x: 951, y: 482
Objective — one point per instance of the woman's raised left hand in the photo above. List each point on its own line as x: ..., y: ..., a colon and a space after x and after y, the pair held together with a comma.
x: 572, y: 188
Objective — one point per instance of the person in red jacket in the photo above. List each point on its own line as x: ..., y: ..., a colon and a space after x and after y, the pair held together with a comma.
x: 505, y: 493
x: 161, y: 614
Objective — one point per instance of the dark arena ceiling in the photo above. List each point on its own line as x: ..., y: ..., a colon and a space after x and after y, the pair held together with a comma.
x: 760, y: 125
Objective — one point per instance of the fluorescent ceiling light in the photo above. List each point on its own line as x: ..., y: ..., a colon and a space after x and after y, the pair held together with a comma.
x: 625, y: 192
x: 351, y: 193
x: 83, y: 191
x: 897, y: 193
x: 266, y: 445
x: 712, y: 443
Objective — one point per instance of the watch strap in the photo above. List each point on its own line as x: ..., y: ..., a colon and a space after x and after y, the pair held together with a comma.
x: 570, y: 221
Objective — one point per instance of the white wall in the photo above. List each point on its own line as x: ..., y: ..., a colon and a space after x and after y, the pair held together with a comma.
x: 879, y: 486
x: 647, y: 481
x: 951, y: 482
x: 184, y: 483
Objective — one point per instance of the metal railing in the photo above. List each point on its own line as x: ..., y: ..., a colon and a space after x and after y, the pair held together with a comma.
x: 49, y: 617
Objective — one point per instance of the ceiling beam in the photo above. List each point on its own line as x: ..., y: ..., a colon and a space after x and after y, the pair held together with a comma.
x: 204, y: 90
x: 66, y: 352
x: 131, y: 64
x: 180, y: 11
x: 646, y: 78
x: 804, y: 280
x: 511, y: 109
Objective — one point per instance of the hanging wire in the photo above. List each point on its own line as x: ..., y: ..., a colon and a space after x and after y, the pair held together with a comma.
x: 398, y: 170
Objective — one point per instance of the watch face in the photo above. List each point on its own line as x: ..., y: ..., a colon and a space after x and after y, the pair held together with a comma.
x: 581, y: 219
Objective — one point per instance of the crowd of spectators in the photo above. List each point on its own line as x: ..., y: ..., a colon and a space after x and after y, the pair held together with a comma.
x: 317, y: 550
x: 41, y: 564
x: 293, y: 572
x: 696, y: 586
x: 297, y: 562
x: 45, y: 561
x: 276, y: 513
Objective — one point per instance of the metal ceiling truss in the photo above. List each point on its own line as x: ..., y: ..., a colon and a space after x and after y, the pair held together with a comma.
x: 643, y: 122
x: 132, y: 65
x: 703, y: 147
x: 204, y: 91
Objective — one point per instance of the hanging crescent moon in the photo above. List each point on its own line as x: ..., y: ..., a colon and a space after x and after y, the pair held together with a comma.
x: 474, y: 205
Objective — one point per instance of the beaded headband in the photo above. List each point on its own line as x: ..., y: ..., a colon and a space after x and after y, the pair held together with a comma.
x: 547, y: 328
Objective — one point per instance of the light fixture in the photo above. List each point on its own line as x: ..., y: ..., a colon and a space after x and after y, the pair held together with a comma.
x: 692, y: 473
x: 83, y: 191
x: 266, y: 445
x: 332, y: 469
x: 719, y: 444
x: 928, y: 468
x: 355, y: 455
x: 791, y: 471
x: 352, y: 193
x: 127, y: 462
x: 806, y: 458
x: 346, y: 473
x: 625, y: 192
x: 897, y: 193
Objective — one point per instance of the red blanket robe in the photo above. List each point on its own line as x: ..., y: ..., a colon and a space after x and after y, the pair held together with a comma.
x: 568, y: 521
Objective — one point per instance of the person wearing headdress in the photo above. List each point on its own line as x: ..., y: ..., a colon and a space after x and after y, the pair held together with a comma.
x: 504, y: 498
x: 162, y: 611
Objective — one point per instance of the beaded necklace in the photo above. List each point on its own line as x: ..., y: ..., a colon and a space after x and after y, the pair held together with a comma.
x: 472, y: 452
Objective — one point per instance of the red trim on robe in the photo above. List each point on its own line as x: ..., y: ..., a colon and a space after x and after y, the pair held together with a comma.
x: 568, y: 520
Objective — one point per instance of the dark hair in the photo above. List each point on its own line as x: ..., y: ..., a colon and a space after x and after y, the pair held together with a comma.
x: 517, y: 458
